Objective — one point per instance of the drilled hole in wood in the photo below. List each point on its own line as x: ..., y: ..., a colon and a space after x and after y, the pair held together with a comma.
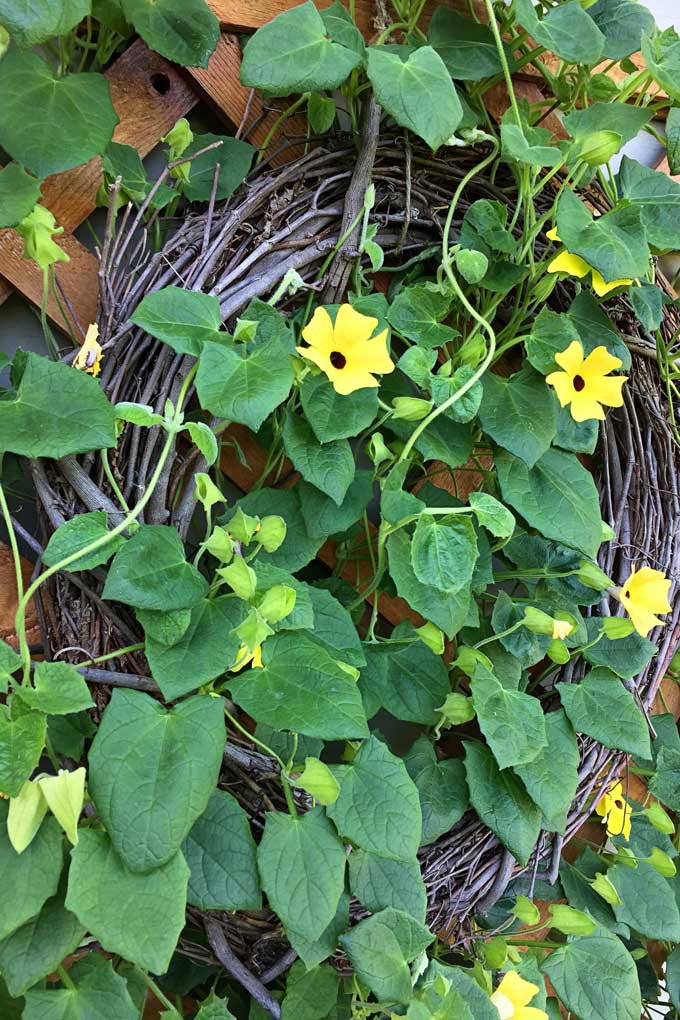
x: 161, y: 83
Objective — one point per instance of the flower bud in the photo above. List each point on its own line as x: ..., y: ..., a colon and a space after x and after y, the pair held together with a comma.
x: 457, y: 709
x: 657, y: 817
x: 277, y: 603
x: 64, y: 794
x: 240, y: 577
x: 599, y: 147
x: 526, y: 911
x: 242, y: 526
x: 558, y: 652
x: 253, y: 631
x: 431, y: 636
x: 661, y: 863
x: 411, y: 408
x: 473, y: 350
x: 544, y: 288
x: 615, y: 627
x: 377, y: 450
x: 570, y: 921
x: 272, y: 532
x: 220, y: 545
x: 605, y: 888
x: 245, y: 330
x: 537, y: 621
x: 26, y: 812
x: 590, y: 575
x: 206, y: 492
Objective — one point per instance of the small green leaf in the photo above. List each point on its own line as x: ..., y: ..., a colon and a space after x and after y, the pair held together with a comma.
x: 447, y: 610
x: 623, y: 24
x: 519, y: 413
x: 329, y: 466
x: 203, y: 437
x: 58, y: 689
x: 310, y: 994
x: 319, y: 782
x: 570, y: 921
x: 150, y: 572
x: 10, y: 662
x: 665, y: 785
x: 21, y: 743
x: 410, y: 682
x: 380, y: 949
x: 244, y: 389
x: 19, y: 192
x: 602, y: 707
x: 380, y: 882
x: 234, y: 157
x: 615, y: 243
x: 657, y: 198
x: 77, y: 533
x: 417, y: 314
x: 467, y: 48
x: 320, y: 113
x: 187, y: 34
x: 183, y: 319
x: 444, y: 552
x: 492, y: 515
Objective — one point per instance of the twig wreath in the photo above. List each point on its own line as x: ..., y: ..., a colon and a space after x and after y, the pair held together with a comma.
x: 439, y: 372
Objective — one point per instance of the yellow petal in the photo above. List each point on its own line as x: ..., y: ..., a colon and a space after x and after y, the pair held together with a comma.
x: 371, y: 356
x: 26, y: 812
x: 64, y: 794
x: 519, y: 991
x: 530, y: 1013
x: 319, y: 331
x: 552, y: 234
x: 506, y: 1010
x: 565, y: 262
x: 600, y: 362
x: 563, y: 386
x: 88, y: 359
x: 607, y: 391
x: 571, y: 359
x: 601, y: 288
x: 346, y: 381
x: 561, y: 629
x: 320, y: 359
x: 351, y: 327
x: 584, y: 408
x: 649, y: 588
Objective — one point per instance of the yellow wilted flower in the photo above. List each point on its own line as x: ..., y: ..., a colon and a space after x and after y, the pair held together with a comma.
x: 244, y: 658
x: 644, y: 594
x: 346, y: 350
x: 26, y: 812
x: 89, y: 357
x: 512, y: 998
x: 64, y: 794
x: 615, y: 811
x: 561, y: 629
x: 585, y: 383
x: 574, y: 265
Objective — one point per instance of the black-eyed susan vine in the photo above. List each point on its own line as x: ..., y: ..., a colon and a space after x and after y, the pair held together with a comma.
x: 116, y: 817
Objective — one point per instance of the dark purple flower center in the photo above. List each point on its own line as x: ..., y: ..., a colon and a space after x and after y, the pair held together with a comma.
x: 579, y: 383
x: 337, y: 359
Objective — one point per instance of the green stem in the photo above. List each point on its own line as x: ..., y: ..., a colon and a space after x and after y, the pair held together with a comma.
x: 279, y: 121
x: 501, y: 634
x: 66, y: 979
x: 112, y: 481
x: 58, y: 303
x: 52, y: 345
x: 504, y: 60
x: 153, y: 987
x: 272, y: 754
x: 111, y: 655
x: 21, y: 634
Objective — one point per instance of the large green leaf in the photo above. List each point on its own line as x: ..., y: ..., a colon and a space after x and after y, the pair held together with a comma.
x: 302, y: 866
x: 661, y: 53
x: 647, y: 905
x: 410, y: 682
x: 58, y: 689
x: 447, y: 610
x: 501, y: 802
x: 626, y: 120
x: 624, y: 656
x: 519, y: 413
x: 320, y: 515
x: 657, y: 196
x: 333, y: 416
x: 615, y: 243
x: 333, y: 626
x: 441, y: 786
x: 235, y: 158
x: 19, y: 192
x: 30, y: 23
x: 220, y: 852
x: 183, y: 319
x: 310, y: 994
x: 30, y: 878
x: 302, y: 688
x: 56, y: 411
x: 150, y: 572
x: 595, y: 977
x: 551, y: 777
x: 467, y: 48
x: 98, y: 993
x: 417, y: 92
x: 152, y: 772
x: 328, y: 466
x: 380, y: 949
x: 314, y: 951
x: 379, y: 882
x: 623, y: 24
x: 417, y: 313
x: 244, y: 389
x: 378, y: 808
x: 185, y: 33
x: 557, y: 497
x: 76, y: 534
x: 602, y: 707
x: 72, y: 118
x: 21, y: 743
x: 444, y: 552
x: 567, y: 30
x: 138, y: 916
x: 39, y: 946
x: 294, y: 52
x: 512, y: 721
x: 206, y: 649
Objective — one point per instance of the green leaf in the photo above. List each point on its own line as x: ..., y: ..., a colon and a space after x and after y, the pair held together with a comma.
x: 410, y: 682
x: 673, y: 977
x: 625, y: 120
x: 150, y: 572
x: 35, y: 22
x: 444, y: 552
x: 58, y: 689
x: 302, y: 688
x: 39, y: 946
x: 220, y: 852
x: 602, y: 707
x: 441, y: 786
x: 526, y: 144
x: 647, y: 902
x: 379, y: 882
x: 321, y: 516
x: 56, y: 411
x: 551, y: 777
x: 72, y: 118
x: 19, y: 192
x: 595, y: 977
x: 673, y: 139
x: 125, y: 162
x: 333, y: 626
x: 314, y: 951
x: 665, y: 785
x: 31, y: 877
x: 448, y: 611
x: 417, y: 314
x: 341, y: 28
x: 299, y: 545
x: 183, y: 319
x: 623, y: 24
x: 624, y: 656
x: 318, y: 781
x: 143, y: 921
x: 310, y: 994
x: 152, y: 771
x: 214, y: 1008
x: 661, y: 53
x: 380, y: 949
x: 204, y: 651
x: 492, y: 515
x: 186, y: 34
x: 295, y: 53
x: 444, y: 439
x: 378, y: 808
x: 333, y: 416
x: 647, y: 302
x: 244, y: 389
x: 329, y: 467
x: 467, y: 48
x: 567, y: 30
x: 657, y: 197
x: 417, y: 92
x: 511, y: 721
x: 10, y: 662
x: 235, y: 158
x: 615, y: 243
x: 77, y: 533
x: 99, y: 993
x: 557, y: 497
x: 21, y: 744
x: 501, y: 802
x: 575, y: 436
x: 519, y: 413
x: 302, y: 867
x: 68, y: 733
x: 320, y: 113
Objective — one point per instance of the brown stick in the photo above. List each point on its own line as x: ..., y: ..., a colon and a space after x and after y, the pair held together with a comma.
x: 238, y: 971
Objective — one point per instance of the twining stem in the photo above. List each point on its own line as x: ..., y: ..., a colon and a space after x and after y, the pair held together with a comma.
x: 112, y: 481
x: 112, y: 655
x: 279, y: 121
x: 272, y: 754
x: 153, y: 987
x: 21, y: 634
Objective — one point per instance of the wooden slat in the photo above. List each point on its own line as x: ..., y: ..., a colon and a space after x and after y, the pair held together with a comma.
x: 220, y: 85
x: 149, y: 95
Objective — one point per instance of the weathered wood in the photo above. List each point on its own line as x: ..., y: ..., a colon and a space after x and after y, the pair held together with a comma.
x: 247, y: 15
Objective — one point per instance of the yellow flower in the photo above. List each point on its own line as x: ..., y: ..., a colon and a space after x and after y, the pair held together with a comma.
x: 89, y: 357
x: 244, y: 658
x: 346, y: 351
x: 644, y: 594
x: 585, y: 384
x: 561, y: 629
x: 512, y: 998
x: 615, y: 811
x: 574, y: 265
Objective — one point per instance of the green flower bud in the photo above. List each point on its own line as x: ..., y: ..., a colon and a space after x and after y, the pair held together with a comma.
x: 431, y: 636
x: 472, y: 265
x: 253, y: 631
x: 445, y: 369
x: 467, y: 658
x: 495, y: 952
x: 377, y: 449
x: 605, y: 888
x: 570, y: 921
x: 4, y: 41
x: 544, y: 287
x: 473, y: 350
x: 590, y: 575
x: 277, y: 603
x: 242, y: 526
x: 661, y: 863
x: 537, y: 621
x: 272, y: 532
x: 599, y: 147
x: 457, y: 709
x: 64, y: 794
x: 615, y: 627
x: 245, y: 330
x: 240, y: 577
x: 558, y: 652
x: 411, y: 408
x: 526, y: 911
x: 206, y: 492
x: 657, y: 817
x: 220, y: 545
x: 178, y: 140
x: 37, y: 230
